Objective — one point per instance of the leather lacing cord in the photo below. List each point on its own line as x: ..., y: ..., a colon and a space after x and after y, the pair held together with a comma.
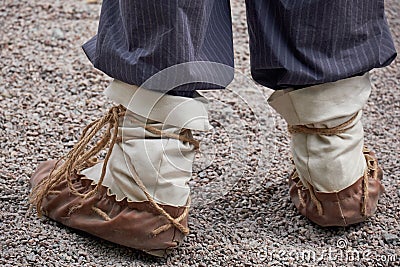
x: 80, y: 158
x: 372, y: 164
x: 342, y: 128
x: 372, y: 167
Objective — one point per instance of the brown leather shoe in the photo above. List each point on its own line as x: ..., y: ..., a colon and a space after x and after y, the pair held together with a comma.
x: 351, y: 205
x: 133, y: 224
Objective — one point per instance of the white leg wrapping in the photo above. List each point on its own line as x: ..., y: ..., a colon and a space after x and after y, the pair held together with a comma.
x: 329, y: 163
x: 164, y: 165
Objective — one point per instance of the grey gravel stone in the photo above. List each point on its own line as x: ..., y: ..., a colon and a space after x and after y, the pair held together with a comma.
x: 390, y: 238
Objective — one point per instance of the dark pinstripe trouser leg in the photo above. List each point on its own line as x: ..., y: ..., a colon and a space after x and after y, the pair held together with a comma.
x: 293, y: 43
x: 296, y: 43
x: 138, y: 38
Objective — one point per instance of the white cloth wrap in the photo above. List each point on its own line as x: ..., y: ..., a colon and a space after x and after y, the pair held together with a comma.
x: 329, y: 163
x: 164, y: 165
x: 184, y: 112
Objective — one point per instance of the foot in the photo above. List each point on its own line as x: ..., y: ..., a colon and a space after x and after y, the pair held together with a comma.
x: 351, y: 205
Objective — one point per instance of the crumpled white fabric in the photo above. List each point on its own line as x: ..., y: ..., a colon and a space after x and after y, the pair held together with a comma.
x: 329, y: 163
x: 184, y: 112
x: 164, y: 165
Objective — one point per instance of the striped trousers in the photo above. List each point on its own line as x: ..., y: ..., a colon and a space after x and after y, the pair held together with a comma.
x: 293, y: 43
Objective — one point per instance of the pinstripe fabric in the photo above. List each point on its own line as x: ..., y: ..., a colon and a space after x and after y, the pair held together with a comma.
x: 297, y: 43
x: 137, y: 38
x: 293, y: 43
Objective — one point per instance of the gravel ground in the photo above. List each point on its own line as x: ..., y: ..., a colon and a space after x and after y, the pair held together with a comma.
x: 241, y: 213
